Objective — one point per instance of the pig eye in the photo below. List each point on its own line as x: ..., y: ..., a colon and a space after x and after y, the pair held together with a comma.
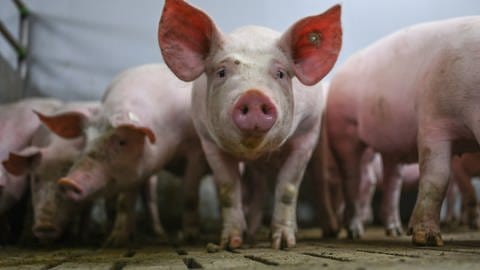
x: 280, y: 74
x: 122, y: 142
x: 221, y: 72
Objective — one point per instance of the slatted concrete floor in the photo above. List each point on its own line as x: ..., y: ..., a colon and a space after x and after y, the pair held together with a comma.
x: 375, y: 251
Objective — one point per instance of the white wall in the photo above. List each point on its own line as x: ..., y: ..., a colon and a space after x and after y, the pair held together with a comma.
x: 79, y: 45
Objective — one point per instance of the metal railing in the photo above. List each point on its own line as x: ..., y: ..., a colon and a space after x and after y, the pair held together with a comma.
x: 20, y: 45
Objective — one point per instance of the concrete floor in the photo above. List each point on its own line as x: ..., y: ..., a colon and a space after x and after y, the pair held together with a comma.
x: 375, y: 251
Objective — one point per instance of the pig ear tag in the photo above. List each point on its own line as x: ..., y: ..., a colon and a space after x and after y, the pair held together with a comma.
x: 133, y: 117
x: 315, y: 38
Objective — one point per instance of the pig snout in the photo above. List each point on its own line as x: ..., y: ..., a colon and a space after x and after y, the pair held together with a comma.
x: 254, y: 114
x: 46, y: 231
x: 70, y: 189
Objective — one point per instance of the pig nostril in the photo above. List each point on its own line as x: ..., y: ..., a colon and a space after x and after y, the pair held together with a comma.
x: 265, y: 109
x: 244, y: 109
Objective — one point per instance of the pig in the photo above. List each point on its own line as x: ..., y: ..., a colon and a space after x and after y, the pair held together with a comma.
x: 255, y: 103
x: 412, y: 96
x: 46, y: 159
x: 18, y: 123
x: 144, y: 125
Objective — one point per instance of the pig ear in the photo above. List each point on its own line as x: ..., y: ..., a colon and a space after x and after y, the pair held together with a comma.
x: 68, y: 125
x: 144, y: 130
x: 23, y: 162
x: 313, y: 45
x: 132, y: 121
x: 186, y: 36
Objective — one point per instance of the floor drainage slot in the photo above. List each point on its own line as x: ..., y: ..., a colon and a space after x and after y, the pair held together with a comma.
x: 118, y: 265
x: 129, y: 254
x: 260, y: 260
x: 181, y: 251
x: 388, y: 253
x: 325, y: 256
x: 191, y: 263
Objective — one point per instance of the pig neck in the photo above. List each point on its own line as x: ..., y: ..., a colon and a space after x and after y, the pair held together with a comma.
x: 170, y: 136
x: 308, y: 107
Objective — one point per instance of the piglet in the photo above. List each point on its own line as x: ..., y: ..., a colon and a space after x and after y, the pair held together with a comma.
x: 45, y: 160
x: 144, y: 125
x: 18, y: 124
x: 250, y: 107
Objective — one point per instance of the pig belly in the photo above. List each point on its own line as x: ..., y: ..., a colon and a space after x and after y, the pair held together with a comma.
x: 398, y: 138
x: 387, y: 122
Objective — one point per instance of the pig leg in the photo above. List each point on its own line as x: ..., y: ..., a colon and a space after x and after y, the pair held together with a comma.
x: 328, y: 218
x: 151, y: 202
x: 324, y: 174
x: 124, y: 224
x: 349, y: 156
x: 255, y: 182
x: 452, y: 193
x: 284, y: 219
x: 435, y: 160
x: 469, y: 197
x: 226, y: 175
x: 367, y: 186
x: 347, y: 149
x: 392, y: 188
x: 196, y: 169
x: 367, y: 191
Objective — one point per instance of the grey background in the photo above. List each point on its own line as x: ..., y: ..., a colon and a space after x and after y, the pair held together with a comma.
x: 77, y: 46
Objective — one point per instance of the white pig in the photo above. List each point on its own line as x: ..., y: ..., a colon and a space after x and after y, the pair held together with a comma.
x: 250, y: 107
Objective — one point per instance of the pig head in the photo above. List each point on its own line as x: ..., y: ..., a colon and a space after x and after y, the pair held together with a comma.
x: 112, y: 143
x: 45, y: 161
x: 250, y: 105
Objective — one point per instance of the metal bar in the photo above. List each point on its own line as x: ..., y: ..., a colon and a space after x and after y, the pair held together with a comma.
x: 22, y: 62
x: 24, y: 12
x: 21, y: 52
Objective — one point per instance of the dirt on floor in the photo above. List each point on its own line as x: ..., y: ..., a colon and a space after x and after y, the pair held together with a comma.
x: 374, y: 251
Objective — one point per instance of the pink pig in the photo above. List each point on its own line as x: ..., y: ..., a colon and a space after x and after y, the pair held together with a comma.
x: 45, y: 160
x: 144, y: 125
x: 411, y: 96
x: 249, y: 107
x: 18, y: 123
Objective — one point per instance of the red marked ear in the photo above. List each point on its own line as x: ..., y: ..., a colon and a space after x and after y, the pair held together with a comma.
x: 23, y: 162
x: 186, y: 36
x: 67, y: 125
x: 313, y: 44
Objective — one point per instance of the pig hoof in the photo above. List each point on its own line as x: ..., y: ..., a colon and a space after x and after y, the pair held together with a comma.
x: 117, y: 240
x: 423, y: 238
x: 426, y: 235
x: 329, y: 233
x: 190, y: 235
x: 159, y: 231
x: 474, y: 219
x: 231, y: 240
x: 283, y: 237
x: 475, y: 224
x: 395, y: 232
x: 355, y: 231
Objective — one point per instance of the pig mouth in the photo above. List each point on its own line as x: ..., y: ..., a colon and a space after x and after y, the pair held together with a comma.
x: 251, y: 142
x: 46, y: 232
